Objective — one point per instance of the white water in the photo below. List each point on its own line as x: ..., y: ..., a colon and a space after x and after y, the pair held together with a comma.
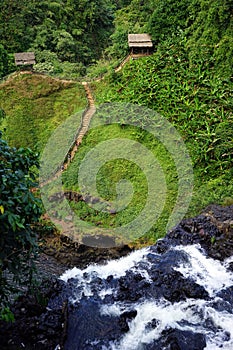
x: 190, y: 314
x: 172, y: 316
x: 117, y: 268
x: 209, y: 273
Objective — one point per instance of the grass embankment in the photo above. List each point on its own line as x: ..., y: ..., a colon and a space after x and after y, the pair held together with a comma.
x: 110, y: 175
x: 35, y: 106
x: 197, y: 101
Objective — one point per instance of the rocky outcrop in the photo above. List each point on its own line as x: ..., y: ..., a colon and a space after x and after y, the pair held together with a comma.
x: 69, y: 253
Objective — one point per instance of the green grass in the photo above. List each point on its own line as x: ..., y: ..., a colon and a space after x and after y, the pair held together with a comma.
x: 217, y: 190
x: 35, y: 106
x: 114, y: 171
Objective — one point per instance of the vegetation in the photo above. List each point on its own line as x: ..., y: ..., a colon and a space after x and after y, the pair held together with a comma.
x: 192, y: 96
x: 20, y: 209
x: 206, y: 25
x: 66, y: 30
x: 188, y: 80
x: 35, y: 105
x: 32, y: 107
x: 195, y: 99
x: 64, y: 34
x: 6, y: 62
x: 114, y: 171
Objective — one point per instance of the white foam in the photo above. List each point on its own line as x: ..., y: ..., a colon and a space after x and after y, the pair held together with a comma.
x: 163, y: 312
x: 112, y: 310
x: 207, y: 272
x: 116, y: 268
x: 104, y: 292
x: 170, y: 315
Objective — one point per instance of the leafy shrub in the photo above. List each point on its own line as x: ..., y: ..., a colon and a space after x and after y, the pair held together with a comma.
x: 44, y: 67
x: 19, y: 210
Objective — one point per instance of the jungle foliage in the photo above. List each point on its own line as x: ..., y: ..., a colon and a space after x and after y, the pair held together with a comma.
x: 188, y: 80
x: 20, y: 209
x: 67, y: 30
x: 196, y: 100
x: 68, y: 35
x: 206, y: 25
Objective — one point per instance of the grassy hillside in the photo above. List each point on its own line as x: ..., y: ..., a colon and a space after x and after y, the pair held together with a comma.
x: 194, y: 97
x: 198, y: 101
x: 35, y: 105
x: 117, y: 169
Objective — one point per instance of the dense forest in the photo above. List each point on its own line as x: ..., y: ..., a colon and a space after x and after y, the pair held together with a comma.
x: 71, y: 35
x: 188, y: 80
x: 58, y: 31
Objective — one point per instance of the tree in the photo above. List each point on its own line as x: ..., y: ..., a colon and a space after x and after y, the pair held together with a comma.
x: 19, y: 210
x: 168, y: 18
x: 6, y: 63
x: 132, y: 18
x: 77, y: 31
x: 211, y: 34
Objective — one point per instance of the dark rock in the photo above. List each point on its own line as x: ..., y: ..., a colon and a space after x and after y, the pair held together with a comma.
x: 125, y: 318
x: 185, y: 340
x: 230, y: 267
x: 174, y: 339
x: 227, y: 294
x: 57, y: 197
x: 37, y: 327
x: 153, y: 324
x: 81, y: 333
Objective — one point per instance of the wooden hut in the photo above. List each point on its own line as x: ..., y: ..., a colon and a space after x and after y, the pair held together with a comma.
x: 140, y: 44
x: 25, y: 59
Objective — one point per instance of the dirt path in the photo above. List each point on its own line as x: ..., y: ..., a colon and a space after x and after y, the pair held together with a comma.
x: 67, y: 227
x: 86, y: 119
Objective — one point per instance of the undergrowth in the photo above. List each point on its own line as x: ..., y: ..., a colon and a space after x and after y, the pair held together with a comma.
x: 193, y: 96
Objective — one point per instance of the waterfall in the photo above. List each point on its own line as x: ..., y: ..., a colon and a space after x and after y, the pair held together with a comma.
x: 176, y: 299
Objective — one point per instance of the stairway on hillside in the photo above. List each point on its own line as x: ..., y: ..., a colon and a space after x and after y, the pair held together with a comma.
x: 86, y: 118
x: 66, y: 226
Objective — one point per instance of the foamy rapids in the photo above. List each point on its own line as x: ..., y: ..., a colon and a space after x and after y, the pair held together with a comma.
x: 212, y: 316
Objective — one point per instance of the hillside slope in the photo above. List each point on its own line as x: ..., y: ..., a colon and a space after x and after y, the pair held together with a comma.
x: 35, y: 105
x: 195, y: 98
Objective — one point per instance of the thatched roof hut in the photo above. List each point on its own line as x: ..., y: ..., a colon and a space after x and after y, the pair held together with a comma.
x: 140, y: 43
x: 25, y: 59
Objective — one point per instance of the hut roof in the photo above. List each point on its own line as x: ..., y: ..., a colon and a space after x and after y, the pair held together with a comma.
x: 139, y: 40
x: 24, y: 58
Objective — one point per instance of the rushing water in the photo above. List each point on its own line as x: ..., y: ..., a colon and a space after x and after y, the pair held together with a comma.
x: 180, y: 299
